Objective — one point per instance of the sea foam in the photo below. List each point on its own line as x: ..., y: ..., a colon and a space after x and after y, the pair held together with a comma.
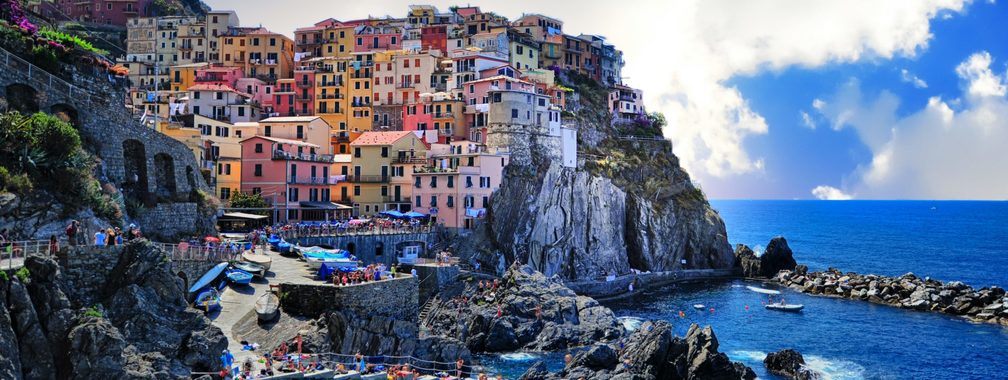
x: 835, y: 369
x: 519, y: 356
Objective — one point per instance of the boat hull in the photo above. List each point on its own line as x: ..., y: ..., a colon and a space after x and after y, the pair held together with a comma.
x: 255, y: 258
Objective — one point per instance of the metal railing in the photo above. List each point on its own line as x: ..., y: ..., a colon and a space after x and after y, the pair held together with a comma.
x: 368, y: 178
x: 51, y: 82
x: 16, y: 251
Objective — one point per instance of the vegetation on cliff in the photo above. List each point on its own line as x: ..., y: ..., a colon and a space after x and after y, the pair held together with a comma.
x: 40, y: 152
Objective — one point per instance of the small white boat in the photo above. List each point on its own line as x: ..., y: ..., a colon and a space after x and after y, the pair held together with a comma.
x: 267, y: 307
x: 255, y: 258
x: 699, y: 306
x: 762, y: 290
x: 780, y: 306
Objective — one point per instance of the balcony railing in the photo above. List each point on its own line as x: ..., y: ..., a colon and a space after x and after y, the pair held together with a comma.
x: 304, y: 84
x: 409, y: 160
x: 330, y: 96
x: 405, y: 85
x: 360, y: 103
x: 368, y: 179
x: 341, y: 138
x: 313, y: 180
x: 331, y: 83
x: 284, y: 155
x: 444, y: 114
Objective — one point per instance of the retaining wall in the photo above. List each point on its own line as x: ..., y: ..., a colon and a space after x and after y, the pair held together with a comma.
x: 393, y: 299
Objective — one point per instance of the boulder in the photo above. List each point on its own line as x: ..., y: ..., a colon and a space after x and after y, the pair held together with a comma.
x: 10, y: 363
x: 501, y: 336
x: 776, y: 257
x: 596, y: 358
x: 746, y: 261
x: 35, y: 354
x: 789, y: 364
x: 537, y: 371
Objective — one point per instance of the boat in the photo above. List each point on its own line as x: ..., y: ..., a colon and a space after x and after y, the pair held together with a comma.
x: 762, y: 290
x: 253, y: 268
x: 780, y: 306
x: 699, y: 306
x: 238, y: 276
x: 208, y: 300
x: 267, y: 307
x: 342, y: 259
x: 208, y: 278
x: 283, y: 247
x: 262, y: 260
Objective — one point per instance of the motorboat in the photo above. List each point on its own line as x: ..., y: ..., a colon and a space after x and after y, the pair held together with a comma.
x: 262, y: 260
x: 208, y: 300
x: 253, y: 268
x: 699, y: 306
x: 763, y: 290
x: 267, y: 307
x: 342, y: 259
x: 238, y: 276
x: 781, y: 306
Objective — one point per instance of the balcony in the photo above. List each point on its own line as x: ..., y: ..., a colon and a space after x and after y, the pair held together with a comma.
x: 438, y: 115
x: 409, y: 160
x: 313, y: 180
x: 360, y: 103
x: 284, y: 155
x: 185, y: 47
x: 304, y: 84
x: 302, y: 97
x: 368, y: 179
x: 330, y: 83
x: 330, y: 96
x: 341, y: 138
x: 405, y: 85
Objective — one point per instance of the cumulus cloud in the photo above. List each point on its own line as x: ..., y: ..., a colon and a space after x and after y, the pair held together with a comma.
x: 830, y: 193
x: 705, y: 43
x: 807, y: 120
x: 909, y: 77
x: 935, y: 152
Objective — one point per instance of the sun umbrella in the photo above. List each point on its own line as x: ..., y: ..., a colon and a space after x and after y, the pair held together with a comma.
x: 414, y: 214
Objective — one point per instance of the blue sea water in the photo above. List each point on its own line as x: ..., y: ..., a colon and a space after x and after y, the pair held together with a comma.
x: 845, y: 339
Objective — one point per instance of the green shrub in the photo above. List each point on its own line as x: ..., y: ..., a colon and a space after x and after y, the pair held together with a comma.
x: 23, y: 274
x: 93, y: 312
x: 45, y: 57
x: 71, y: 41
x: 4, y: 276
x: 14, y: 183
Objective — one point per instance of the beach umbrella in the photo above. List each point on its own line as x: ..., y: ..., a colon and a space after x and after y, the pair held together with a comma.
x: 211, y: 239
x: 414, y: 214
x: 392, y: 213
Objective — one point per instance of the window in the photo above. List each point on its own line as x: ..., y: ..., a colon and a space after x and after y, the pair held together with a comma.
x: 258, y: 170
x: 486, y: 201
x: 418, y: 200
x: 300, y: 131
x: 514, y: 113
x: 469, y: 182
x: 258, y: 147
x: 451, y: 182
x: 256, y: 190
x: 241, y: 111
x: 416, y: 183
x: 268, y: 130
x: 451, y: 201
x: 384, y: 191
x: 433, y: 201
x: 433, y: 182
x: 293, y: 195
x: 227, y: 169
x: 356, y: 152
x: 196, y: 95
x: 384, y: 151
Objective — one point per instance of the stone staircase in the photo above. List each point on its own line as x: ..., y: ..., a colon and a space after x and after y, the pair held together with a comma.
x: 428, y: 309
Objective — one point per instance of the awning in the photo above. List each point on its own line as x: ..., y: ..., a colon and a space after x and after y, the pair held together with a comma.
x: 242, y: 215
x: 326, y: 205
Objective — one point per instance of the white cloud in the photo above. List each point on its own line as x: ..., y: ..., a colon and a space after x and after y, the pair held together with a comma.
x: 830, y: 193
x: 807, y: 121
x: 705, y: 43
x: 980, y: 79
x: 935, y: 152
x: 909, y: 77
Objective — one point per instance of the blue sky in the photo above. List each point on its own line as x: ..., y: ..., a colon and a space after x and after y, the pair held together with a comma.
x: 907, y: 97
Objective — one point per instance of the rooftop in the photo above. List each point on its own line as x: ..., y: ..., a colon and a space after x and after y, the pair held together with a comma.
x: 282, y: 141
x: 380, y: 138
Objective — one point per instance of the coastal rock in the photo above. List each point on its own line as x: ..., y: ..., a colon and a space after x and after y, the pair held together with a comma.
x: 10, y: 363
x: 790, y: 364
x: 747, y: 261
x: 537, y: 371
x: 536, y: 313
x: 36, y: 357
x: 96, y: 350
x: 596, y: 358
x: 775, y: 258
x: 52, y: 306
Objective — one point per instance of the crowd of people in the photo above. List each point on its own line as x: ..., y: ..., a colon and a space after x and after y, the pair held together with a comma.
x: 372, y: 272
x: 376, y: 225
x: 104, y: 237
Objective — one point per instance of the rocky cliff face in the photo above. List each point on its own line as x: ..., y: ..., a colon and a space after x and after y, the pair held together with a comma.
x: 572, y: 223
x: 144, y: 330
x: 775, y: 258
x: 652, y: 352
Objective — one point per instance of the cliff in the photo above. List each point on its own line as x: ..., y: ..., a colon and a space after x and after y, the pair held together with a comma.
x: 131, y: 322
x: 628, y: 204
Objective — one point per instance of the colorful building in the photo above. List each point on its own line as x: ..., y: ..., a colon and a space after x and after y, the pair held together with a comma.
x: 456, y: 184
x: 373, y: 156
x: 292, y: 176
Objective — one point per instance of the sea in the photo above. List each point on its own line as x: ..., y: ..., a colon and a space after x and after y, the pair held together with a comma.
x: 843, y: 339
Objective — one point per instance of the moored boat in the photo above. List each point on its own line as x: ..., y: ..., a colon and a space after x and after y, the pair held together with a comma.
x: 208, y: 278
x: 253, y: 268
x: 762, y: 290
x: 262, y: 260
x: 238, y: 276
x: 208, y: 300
x: 780, y: 306
x: 699, y: 306
x: 267, y: 307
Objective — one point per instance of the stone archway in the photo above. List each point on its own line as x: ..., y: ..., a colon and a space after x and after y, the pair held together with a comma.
x: 164, y: 175
x: 22, y: 98
x: 66, y: 113
x: 134, y: 169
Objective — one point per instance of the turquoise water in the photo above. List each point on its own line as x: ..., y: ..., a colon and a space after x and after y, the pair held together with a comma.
x: 841, y: 338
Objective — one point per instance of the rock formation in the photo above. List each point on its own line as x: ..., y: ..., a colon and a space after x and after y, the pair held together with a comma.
x: 652, y: 352
x: 989, y: 305
x: 564, y: 318
x: 776, y: 257
x: 144, y: 330
x: 789, y: 364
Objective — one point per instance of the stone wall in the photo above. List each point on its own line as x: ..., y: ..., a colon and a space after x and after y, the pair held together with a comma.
x: 620, y: 286
x: 95, y: 105
x: 169, y: 221
x: 433, y: 278
x: 368, y: 247
x: 393, y: 299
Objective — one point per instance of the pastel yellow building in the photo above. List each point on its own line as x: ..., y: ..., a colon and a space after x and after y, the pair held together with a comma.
x: 359, y: 93
x: 339, y: 41
x: 259, y: 52
x: 375, y: 158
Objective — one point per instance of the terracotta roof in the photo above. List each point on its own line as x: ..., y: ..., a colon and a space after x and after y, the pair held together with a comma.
x: 380, y: 138
x: 216, y: 87
x: 282, y: 141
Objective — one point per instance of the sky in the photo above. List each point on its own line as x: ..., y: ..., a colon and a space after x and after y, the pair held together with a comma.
x: 802, y: 99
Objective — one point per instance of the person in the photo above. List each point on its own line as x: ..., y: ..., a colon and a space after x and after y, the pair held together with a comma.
x: 118, y: 235
x: 500, y: 312
x: 567, y: 359
x: 538, y: 312
x: 99, y: 238
x: 393, y: 270
x: 458, y: 367
x: 109, y: 237
x: 412, y: 272
x: 71, y: 232
x: 361, y: 365
x: 53, y: 245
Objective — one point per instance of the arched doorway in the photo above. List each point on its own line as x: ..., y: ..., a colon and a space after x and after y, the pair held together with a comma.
x: 379, y: 249
x: 164, y: 175
x: 134, y: 169
x: 66, y: 113
x: 22, y: 98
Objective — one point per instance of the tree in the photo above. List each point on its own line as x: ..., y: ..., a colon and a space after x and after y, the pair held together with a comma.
x: 657, y: 120
x: 247, y: 200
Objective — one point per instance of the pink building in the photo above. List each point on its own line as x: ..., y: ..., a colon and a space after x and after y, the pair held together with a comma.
x: 417, y: 117
x: 219, y: 75
x: 261, y: 92
x: 377, y: 38
x: 455, y: 187
x: 112, y: 12
x: 291, y: 176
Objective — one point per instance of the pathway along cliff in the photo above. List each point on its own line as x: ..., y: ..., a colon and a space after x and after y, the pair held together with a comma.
x: 627, y: 206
